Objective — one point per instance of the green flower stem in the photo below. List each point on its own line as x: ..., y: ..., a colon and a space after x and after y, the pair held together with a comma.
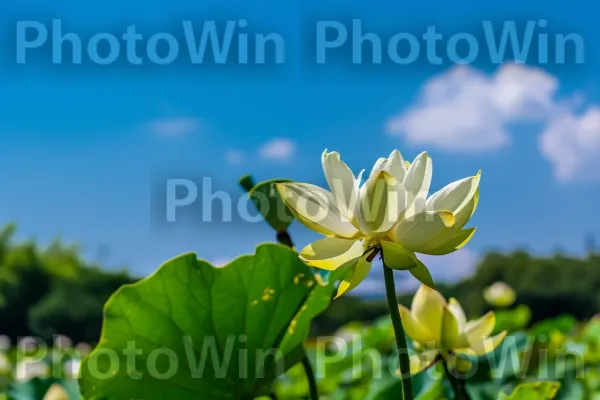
x: 457, y: 385
x: 310, y: 377
x: 390, y: 289
x: 284, y: 237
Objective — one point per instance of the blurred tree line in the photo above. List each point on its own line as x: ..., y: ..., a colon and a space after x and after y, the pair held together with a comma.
x: 550, y: 286
x: 51, y: 290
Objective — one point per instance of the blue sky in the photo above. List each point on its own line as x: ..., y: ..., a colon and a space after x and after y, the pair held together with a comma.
x: 86, y: 149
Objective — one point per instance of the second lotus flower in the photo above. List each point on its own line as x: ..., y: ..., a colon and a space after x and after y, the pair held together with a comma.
x: 440, y: 331
x: 500, y: 295
x: 390, y: 213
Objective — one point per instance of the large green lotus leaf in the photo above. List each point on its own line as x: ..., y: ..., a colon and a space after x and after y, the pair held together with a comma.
x: 533, y: 391
x: 267, y: 200
x: 210, y: 332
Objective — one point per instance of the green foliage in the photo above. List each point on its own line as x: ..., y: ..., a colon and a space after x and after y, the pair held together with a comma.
x: 549, y: 286
x: 533, y: 391
x: 512, y: 320
x: 44, y: 291
x: 546, y: 287
x: 37, y: 389
x: 353, y: 373
x: 234, y: 316
x: 51, y: 291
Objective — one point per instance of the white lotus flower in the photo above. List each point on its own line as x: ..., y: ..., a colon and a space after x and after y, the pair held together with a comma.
x: 389, y: 213
x: 440, y: 330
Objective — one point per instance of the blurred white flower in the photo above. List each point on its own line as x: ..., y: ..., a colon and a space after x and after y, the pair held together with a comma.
x: 500, y: 295
x: 28, y: 344
x: 5, y: 343
x: 83, y: 348
x: 63, y: 342
x: 30, y: 368
x: 71, y: 368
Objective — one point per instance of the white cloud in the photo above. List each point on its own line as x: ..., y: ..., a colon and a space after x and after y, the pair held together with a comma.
x: 452, y: 267
x: 572, y: 144
x: 234, y: 156
x: 466, y: 110
x: 449, y: 268
x: 175, y: 127
x: 280, y: 149
x: 220, y: 261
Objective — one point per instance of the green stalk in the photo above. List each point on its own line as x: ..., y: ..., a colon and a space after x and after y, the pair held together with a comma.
x: 285, y: 239
x: 457, y: 385
x: 310, y: 377
x: 390, y: 289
